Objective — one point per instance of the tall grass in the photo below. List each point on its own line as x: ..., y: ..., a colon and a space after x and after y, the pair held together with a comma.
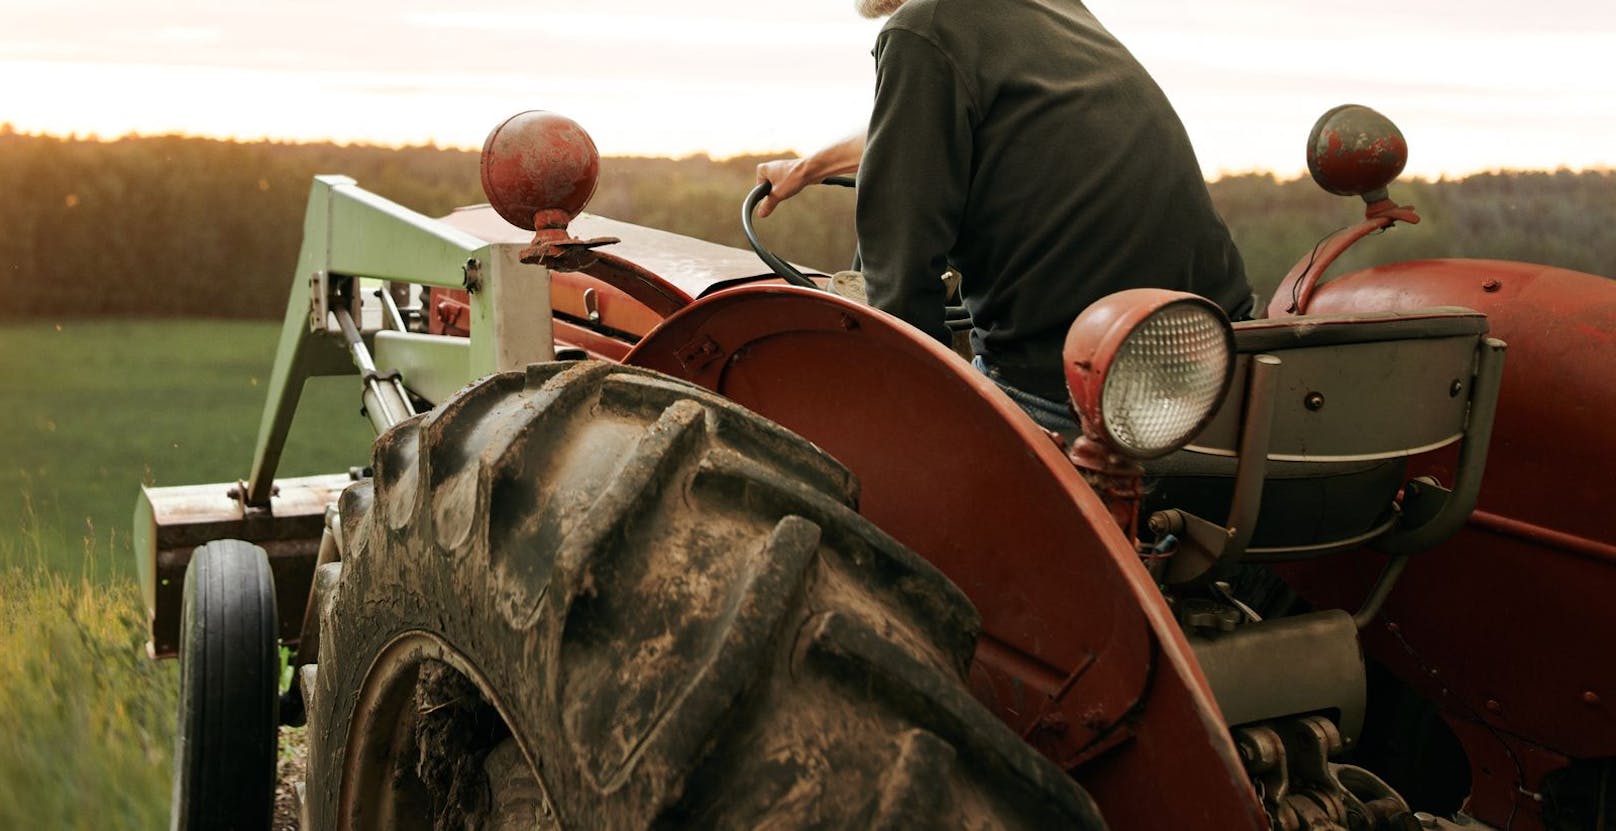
x: 86, y: 720
x: 93, y: 410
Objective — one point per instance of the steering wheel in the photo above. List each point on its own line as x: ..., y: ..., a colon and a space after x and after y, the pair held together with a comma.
x: 956, y: 317
x: 769, y: 258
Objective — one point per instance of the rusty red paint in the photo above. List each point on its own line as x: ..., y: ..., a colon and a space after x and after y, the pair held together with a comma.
x: 1117, y: 480
x: 1546, y: 537
x: 1092, y: 343
x: 619, y: 311
x: 1091, y: 346
x: 1097, y: 336
x: 1355, y: 151
x: 953, y: 469
x: 1539, y: 546
x: 539, y: 170
x: 451, y: 312
x: 645, y: 288
x: 537, y: 162
x: 1294, y: 296
x: 597, y: 345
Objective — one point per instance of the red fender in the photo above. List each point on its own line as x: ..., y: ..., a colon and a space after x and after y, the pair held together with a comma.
x: 1080, y: 653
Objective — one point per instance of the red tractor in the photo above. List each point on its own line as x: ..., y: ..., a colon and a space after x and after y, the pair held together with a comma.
x: 654, y: 537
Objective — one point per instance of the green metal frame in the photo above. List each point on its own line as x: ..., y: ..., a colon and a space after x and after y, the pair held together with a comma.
x: 349, y: 232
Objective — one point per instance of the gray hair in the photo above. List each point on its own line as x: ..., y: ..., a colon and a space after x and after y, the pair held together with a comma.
x: 877, y: 8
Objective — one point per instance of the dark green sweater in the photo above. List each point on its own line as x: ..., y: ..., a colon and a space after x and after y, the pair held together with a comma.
x: 1019, y: 141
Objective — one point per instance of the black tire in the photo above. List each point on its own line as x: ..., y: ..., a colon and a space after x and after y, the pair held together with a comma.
x: 669, y: 606
x: 225, y: 749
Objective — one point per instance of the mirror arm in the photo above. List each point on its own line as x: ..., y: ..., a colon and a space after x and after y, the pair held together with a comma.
x: 1295, y: 292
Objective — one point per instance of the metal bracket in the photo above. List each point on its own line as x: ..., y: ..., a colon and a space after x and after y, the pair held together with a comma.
x: 1208, y: 548
x: 328, y: 293
x: 592, y: 304
x: 1431, y: 513
x: 392, y: 316
x: 319, y: 300
x: 1288, y: 761
x: 699, y: 352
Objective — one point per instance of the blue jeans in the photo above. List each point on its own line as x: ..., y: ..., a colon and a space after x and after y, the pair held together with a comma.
x: 1055, y: 416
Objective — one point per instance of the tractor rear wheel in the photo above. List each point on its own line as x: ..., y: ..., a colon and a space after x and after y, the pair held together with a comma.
x: 593, y: 596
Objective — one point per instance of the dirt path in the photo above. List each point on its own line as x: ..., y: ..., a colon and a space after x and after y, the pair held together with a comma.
x: 294, y: 756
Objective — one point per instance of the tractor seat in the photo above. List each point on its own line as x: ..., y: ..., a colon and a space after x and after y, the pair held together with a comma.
x: 1303, y: 503
x: 1356, y: 396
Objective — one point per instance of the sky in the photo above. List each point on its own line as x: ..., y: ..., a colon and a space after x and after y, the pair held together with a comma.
x: 1474, y: 84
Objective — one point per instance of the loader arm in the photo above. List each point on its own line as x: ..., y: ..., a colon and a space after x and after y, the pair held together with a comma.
x: 348, y: 233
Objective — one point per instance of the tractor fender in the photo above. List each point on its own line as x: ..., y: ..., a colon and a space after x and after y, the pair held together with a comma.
x: 1507, y: 625
x: 1079, y: 652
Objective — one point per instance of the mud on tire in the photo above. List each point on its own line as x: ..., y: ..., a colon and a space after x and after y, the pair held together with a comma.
x: 665, y: 610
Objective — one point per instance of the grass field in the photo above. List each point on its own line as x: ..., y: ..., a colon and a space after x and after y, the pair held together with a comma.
x: 92, y: 411
x: 96, y: 408
x: 86, y: 726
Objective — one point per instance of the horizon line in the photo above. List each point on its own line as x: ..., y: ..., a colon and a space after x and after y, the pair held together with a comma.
x: 7, y: 128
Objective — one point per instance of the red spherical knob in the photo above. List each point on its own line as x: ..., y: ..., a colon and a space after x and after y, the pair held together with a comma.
x: 1355, y: 151
x: 539, y: 161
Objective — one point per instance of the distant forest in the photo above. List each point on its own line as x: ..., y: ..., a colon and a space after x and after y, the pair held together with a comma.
x: 175, y: 226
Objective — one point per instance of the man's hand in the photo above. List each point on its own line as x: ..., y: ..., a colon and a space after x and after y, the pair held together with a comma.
x: 787, y: 177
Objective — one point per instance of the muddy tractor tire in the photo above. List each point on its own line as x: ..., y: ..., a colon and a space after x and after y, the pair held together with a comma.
x: 225, y: 745
x: 593, y: 596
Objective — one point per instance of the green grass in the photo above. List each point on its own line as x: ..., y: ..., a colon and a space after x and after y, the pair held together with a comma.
x: 86, y: 720
x: 97, y: 408
x: 93, y: 409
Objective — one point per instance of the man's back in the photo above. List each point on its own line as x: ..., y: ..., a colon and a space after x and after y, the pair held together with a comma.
x: 1022, y: 141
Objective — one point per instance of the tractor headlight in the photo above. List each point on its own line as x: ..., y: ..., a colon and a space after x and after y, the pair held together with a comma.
x: 1147, y: 368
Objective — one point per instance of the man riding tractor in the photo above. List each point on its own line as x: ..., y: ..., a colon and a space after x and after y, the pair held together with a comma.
x: 1049, y: 174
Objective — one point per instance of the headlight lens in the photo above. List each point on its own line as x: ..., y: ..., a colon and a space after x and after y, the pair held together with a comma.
x: 1169, y: 375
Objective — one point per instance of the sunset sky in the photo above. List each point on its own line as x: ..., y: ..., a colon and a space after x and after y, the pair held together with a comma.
x: 1475, y: 84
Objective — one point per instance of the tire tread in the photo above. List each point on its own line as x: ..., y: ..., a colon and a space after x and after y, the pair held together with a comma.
x: 676, y: 603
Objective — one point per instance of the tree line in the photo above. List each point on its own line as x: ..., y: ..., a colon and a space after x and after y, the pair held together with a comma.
x: 180, y: 226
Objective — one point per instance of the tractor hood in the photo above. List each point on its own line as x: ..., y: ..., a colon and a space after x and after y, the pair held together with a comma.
x: 694, y: 266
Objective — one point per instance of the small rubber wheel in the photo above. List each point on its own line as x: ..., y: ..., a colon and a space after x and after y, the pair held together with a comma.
x: 225, y: 749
